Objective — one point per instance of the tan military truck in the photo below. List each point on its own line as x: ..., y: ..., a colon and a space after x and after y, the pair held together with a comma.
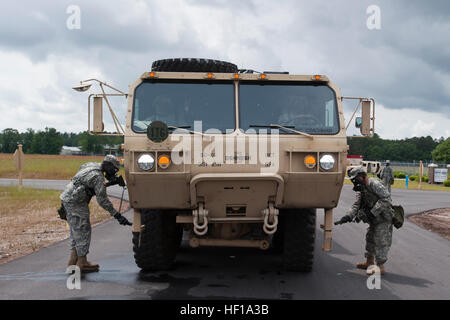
x: 231, y: 158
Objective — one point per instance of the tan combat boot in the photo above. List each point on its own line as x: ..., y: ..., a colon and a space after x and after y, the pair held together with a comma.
x: 73, y: 258
x: 364, y: 265
x: 86, y: 266
x: 371, y: 270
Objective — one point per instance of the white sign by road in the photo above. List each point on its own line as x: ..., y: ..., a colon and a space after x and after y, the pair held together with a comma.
x: 440, y: 175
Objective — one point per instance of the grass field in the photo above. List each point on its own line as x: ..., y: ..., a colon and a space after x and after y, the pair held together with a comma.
x: 29, y: 221
x: 414, y: 185
x: 53, y: 167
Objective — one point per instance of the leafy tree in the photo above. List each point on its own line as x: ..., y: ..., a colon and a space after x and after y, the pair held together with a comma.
x: 70, y: 139
x: 410, y: 149
x: 47, y: 142
x: 442, y: 152
x: 9, y: 140
x: 90, y: 143
x: 27, y: 139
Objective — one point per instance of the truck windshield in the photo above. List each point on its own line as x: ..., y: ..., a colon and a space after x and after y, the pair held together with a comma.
x: 304, y: 107
x: 180, y: 103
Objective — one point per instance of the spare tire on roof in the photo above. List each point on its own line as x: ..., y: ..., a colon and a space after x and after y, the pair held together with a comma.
x: 194, y: 65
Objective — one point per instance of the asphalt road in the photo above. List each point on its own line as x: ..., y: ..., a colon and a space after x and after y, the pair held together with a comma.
x: 418, y: 267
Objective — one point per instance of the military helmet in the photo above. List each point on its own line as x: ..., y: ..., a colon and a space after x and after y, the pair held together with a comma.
x: 352, y: 173
x: 112, y: 159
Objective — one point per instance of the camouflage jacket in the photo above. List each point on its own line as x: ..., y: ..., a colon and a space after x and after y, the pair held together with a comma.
x: 88, y: 181
x: 387, y: 175
x: 377, y: 199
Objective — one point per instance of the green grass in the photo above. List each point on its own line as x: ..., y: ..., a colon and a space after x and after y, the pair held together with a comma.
x: 19, y: 201
x: 45, y: 167
x: 14, y: 200
x: 413, y: 185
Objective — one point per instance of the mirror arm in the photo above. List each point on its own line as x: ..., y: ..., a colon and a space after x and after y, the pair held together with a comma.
x: 354, y: 112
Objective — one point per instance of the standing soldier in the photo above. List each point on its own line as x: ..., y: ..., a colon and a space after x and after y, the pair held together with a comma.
x: 89, y: 181
x: 373, y: 206
x: 387, y: 176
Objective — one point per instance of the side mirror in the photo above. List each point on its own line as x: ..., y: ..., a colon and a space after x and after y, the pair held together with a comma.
x: 365, y: 115
x: 366, y: 122
x: 98, y: 115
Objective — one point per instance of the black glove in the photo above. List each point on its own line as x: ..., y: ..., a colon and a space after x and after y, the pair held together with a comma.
x: 369, y: 214
x: 62, y: 212
x: 115, y: 180
x: 122, y: 220
x: 344, y: 219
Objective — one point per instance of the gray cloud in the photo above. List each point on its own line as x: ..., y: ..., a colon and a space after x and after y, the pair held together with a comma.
x: 403, y: 65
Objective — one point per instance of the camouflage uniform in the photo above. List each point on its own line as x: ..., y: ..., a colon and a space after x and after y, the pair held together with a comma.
x: 89, y: 181
x: 387, y: 176
x: 379, y: 234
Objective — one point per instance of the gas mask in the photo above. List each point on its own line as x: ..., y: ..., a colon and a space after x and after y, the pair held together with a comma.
x: 110, y: 171
x: 357, y: 184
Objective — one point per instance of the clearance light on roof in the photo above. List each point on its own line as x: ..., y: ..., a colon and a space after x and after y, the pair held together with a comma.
x: 236, y: 75
x: 152, y: 74
x: 209, y: 75
x: 317, y: 77
x: 263, y: 76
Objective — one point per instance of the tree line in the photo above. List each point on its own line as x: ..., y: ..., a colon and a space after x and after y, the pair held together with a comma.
x: 50, y: 141
x: 404, y: 150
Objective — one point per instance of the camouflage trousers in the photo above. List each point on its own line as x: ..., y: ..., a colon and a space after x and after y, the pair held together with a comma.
x: 388, y: 186
x: 80, y: 226
x: 379, y: 240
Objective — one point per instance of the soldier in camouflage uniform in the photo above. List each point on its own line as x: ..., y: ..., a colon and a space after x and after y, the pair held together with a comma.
x: 387, y: 176
x: 89, y: 181
x: 373, y: 206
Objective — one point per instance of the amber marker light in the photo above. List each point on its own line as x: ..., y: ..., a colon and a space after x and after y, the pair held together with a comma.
x: 263, y: 76
x: 310, y: 161
x: 163, y: 161
x: 317, y: 77
x: 210, y: 75
x: 152, y: 74
x: 236, y: 75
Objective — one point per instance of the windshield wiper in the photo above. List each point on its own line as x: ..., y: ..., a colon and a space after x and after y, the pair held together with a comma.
x: 288, y: 128
x: 185, y: 128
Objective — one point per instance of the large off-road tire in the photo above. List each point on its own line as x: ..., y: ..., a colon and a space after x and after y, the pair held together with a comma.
x: 193, y: 65
x: 155, y: 247
x: 299, y: 228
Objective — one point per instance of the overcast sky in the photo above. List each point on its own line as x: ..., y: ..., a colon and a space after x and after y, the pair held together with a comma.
x: 404, y: 65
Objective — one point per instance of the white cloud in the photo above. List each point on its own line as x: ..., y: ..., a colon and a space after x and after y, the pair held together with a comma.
x: 405, y: 123
x: 39, y: 95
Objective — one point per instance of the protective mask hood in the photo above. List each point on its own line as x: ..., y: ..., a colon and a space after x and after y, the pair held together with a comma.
x: 357, y: 185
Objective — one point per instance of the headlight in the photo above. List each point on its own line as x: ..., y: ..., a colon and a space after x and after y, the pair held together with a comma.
x: 326, y: 162
x: 146, y: 162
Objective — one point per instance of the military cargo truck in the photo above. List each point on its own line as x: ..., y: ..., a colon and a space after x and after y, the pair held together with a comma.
x: 231, y: 157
